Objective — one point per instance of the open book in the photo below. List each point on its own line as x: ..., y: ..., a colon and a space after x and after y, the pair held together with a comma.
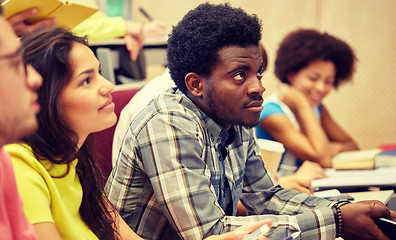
x: 67, y: 12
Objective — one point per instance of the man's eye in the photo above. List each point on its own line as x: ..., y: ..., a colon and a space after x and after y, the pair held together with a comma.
x: 260, y: 74
x: 239, y: 76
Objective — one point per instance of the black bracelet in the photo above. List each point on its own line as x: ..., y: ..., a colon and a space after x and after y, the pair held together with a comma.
x: 339, y: 220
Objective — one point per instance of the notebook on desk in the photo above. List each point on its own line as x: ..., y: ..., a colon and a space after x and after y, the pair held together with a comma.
x: 386, y: 159
x: 365, y: 159
x: 344, y: 179
x: 358, y: 159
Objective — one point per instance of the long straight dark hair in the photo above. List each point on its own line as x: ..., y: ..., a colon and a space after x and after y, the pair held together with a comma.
x: 48, y: 52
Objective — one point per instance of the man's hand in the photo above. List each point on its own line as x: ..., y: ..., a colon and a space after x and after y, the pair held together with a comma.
x: 242, y: 232
x: 310, y: 171
x: 298, y: 184
x: 21, y: 28
x: 301, y: 180
x: 358, y: 220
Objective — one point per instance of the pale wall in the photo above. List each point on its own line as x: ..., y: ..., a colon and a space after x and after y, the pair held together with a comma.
x: 365, y: 108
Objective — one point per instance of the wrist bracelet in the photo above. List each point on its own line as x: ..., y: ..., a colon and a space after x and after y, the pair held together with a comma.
x: 339, y: 222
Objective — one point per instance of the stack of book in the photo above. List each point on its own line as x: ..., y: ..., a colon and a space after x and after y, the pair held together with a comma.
x: 383, y: 156
x: 385, y: 159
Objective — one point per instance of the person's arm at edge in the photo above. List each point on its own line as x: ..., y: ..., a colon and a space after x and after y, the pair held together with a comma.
x: 100, y: 26
x: 340, y: 140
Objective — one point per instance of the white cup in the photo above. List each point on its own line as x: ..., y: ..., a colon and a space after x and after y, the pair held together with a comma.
x: 271, y: 153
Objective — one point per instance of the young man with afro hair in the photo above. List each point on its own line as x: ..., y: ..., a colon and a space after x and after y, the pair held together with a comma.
x: 191, y: 154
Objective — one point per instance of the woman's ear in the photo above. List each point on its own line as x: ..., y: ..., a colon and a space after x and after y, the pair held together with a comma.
x: 194, y: 84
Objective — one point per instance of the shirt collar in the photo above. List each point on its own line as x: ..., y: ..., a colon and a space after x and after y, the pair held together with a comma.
x: 218, y: 134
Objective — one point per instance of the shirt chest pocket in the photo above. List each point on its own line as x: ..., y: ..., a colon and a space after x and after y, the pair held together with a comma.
x: 216, y: 185
x: 235, y: 185
x: 238, y: 186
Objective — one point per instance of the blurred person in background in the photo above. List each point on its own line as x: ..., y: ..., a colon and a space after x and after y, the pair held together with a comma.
x: 18, y: 84
x: 311, y: 64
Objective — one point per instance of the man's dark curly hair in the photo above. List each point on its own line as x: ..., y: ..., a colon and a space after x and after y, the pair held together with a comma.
x: 195, y: 41
x: 304, y: 46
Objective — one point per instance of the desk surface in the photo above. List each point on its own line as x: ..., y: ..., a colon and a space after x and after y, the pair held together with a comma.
x: 148, y: 42
x: 383, y: 196
x: 339, y: 179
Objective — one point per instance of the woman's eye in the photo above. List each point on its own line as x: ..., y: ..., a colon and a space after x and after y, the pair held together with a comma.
x: 313, y: 79
x: 329, y: 82
x: 86, y: 81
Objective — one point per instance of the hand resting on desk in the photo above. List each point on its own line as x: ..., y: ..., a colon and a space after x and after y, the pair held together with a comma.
x: 291, y: 182
x: 310, y: 171
x: 242, y: 232
x: 358, y: 220
x: 301, y: 180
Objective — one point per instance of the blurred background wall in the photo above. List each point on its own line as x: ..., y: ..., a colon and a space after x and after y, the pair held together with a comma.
x: 366, y: 108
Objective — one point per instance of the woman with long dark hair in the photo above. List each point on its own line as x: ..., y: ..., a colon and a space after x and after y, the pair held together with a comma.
x: 55, y: 169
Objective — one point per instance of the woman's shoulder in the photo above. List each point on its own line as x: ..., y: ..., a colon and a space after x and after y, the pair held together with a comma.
x: 19, y: 150
x: 22, y: 155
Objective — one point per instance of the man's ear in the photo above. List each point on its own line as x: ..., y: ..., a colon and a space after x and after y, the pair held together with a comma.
x: 194, y: 84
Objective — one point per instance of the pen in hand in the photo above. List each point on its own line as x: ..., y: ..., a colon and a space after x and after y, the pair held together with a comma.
x: 146, y: 14
x: 153, y: 29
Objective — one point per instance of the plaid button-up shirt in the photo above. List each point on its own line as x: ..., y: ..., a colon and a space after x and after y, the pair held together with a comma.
x: 171, y: 180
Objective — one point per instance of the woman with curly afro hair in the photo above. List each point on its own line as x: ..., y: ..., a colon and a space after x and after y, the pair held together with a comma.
x: 312, y: 64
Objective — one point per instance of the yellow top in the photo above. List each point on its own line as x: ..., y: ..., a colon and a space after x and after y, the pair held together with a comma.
x: 49, y: 199
x: 100, y: 26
